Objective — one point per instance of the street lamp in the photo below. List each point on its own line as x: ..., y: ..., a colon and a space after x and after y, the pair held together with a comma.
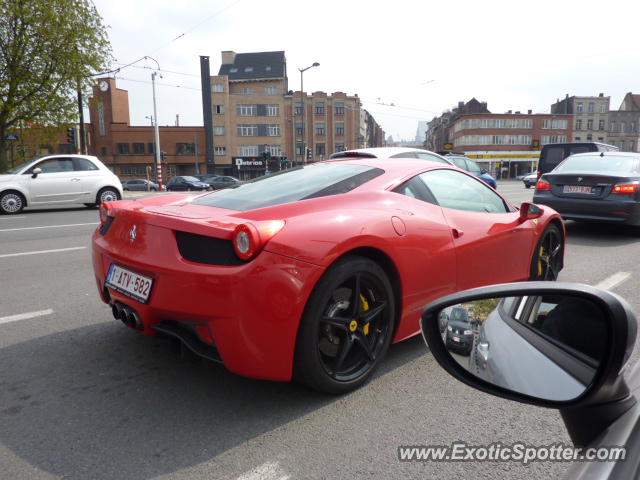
x: 304, y: 133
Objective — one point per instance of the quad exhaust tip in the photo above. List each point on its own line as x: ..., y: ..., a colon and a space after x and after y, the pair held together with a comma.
x: 126, y: 315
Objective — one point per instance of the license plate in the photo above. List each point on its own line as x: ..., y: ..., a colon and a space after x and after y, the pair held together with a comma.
x: 456, y: 339
x: 577, y: 189
x: 129, y: 283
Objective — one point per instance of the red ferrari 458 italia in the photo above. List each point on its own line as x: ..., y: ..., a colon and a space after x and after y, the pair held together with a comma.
x: 311, y: 273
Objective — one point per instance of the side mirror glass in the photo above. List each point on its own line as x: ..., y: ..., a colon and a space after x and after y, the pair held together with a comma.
x: 544, y: 346
x: 36, y: 172
x: 483, y: 171
x: 530, y: 211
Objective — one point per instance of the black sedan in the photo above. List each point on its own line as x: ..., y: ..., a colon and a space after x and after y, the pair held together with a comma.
x: 597, y: 186
x: 459, y: 336
x: 140, y: 184
x: 186, y: 184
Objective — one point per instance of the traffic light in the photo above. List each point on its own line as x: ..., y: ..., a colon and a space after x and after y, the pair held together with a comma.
x: 266, y: 156
x: 308, y: 153
x: 71, y: 135
x: 163, y: 156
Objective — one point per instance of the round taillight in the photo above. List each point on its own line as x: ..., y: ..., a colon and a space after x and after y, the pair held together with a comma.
x: 246, y: 241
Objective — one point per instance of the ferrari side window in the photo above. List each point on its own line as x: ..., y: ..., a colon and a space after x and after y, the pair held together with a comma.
x: 458, y: 191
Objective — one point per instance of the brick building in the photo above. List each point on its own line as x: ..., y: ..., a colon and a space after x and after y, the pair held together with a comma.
x: 624, y: 124
x: 129, y: 150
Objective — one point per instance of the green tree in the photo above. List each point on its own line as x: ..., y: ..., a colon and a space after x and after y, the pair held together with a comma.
x: 48, y: 50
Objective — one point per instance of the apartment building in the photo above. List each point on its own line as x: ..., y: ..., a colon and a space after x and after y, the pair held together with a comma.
x: 590, y: 117
x: 624, y: 124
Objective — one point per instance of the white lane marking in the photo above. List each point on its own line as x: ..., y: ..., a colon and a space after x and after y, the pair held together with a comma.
x: 48, y: 226
x: 266, y: 471
x: 25, y: 316
x: 614, y: 280
x: 9, y: 217
x: 41, y: 251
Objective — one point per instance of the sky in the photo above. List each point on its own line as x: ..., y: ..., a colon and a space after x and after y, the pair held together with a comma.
x: 406, y: 60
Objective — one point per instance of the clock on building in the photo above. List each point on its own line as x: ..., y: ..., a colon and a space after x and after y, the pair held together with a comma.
x: 103, y: 85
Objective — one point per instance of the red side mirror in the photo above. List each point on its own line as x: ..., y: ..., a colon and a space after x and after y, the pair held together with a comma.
x: 529, y: 211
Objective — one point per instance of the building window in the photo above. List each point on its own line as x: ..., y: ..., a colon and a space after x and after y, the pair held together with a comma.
x: 579, y: 124
x: 271, y: 91
x: 554, y: 139
x: 103, y: 151
x: 589, y: 137
x: 298, y: 108
x: 233, y: 70
x: 299, y: 129
x: 273, y: 130
x: 248, y: 69
x: 299, y: 150
x: 218, y: 130
x: 219, y: 150
x: 185, y: 148
x: 623, y: 126
x: 577, y: 139
x: 603, y: 108
x: 219, y: 109
x: 497, y: 139
x: 601, y: 139
x: 248, y: 150
x: 138, y: 148
x: 340, y: 147
x: 320, y: 149
x: 123, y: 148
x: 246, y: 110
x: 339, y: 129
x: 133, y: 171
x: 499, y: 123
x: 247, y: 90
x: 632, y: 127
x: 273, y: 110
x: 589, y: 124
x: 601, y: 125
x: 554, y: 124
x: 319, y: 108
x: 612, y: 126
x: 339, y: 106
x: 320, y: 129
x: 247, y: 130
x: 274, y: 150
x: 592, y: 107
x: 483, y: 140
x: 217, y: 88
x: 151, y: 147
x: 579, y: 108
x: 484, y: 123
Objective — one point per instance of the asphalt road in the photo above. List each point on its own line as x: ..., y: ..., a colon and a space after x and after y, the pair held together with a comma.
x: 82, y: 397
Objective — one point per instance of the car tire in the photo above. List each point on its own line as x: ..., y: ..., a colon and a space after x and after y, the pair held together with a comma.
x: 339, y: 345
x: 547, y: 257
x: 11, y: 202
x: 107, y: 194
x: 527, y: 185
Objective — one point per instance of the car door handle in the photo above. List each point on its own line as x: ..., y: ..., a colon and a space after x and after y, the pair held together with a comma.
x: 457, y: 233
x: 483, y: 350
x: 75, y: 179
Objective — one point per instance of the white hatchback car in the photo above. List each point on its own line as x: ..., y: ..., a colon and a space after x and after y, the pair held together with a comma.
x: 58, y: 180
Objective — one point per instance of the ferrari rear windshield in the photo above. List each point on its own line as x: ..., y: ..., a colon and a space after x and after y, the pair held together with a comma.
x: 302, y: 183
x: 606, y: 165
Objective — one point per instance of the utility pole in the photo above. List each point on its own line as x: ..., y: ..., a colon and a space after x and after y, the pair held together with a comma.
x: 157, y: 164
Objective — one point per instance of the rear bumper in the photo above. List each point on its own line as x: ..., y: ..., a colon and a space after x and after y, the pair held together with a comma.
x: 624, y: 211
x: 252, y: 311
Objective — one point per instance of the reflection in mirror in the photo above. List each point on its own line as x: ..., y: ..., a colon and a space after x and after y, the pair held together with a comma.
x: 547, y: 347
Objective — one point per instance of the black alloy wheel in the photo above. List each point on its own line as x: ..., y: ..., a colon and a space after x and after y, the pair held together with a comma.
x: 547, y: 257
x: 347, y: 326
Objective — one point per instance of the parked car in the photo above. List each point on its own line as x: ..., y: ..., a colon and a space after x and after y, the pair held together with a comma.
x: 140, y: 184
x: 216, y: 182
x: 600, y: 187
x: 314, y: 271
x: 58, y: 180
x: 471, y: 166
x: 391, y: 152
x: 186, y: 184
x: 553, y: 153
x: 530, y: 180
x: 557, y: 345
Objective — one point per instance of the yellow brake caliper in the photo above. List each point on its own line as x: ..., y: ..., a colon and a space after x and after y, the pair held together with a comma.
x: 540, y: 257
x: 364, y: 306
